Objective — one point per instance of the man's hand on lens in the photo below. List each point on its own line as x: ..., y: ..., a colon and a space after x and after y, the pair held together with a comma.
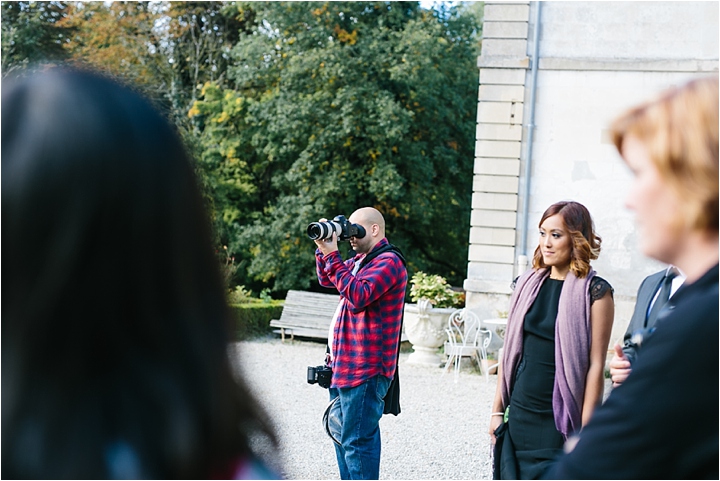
x: 327, y: 246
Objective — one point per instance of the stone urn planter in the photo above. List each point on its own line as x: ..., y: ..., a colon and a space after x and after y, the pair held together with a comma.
x: 425, y: 329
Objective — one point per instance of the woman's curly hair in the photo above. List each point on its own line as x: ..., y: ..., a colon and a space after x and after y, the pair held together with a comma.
x: 580, y: 227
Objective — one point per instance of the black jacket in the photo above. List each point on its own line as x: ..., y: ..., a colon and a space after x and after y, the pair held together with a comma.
x: 646, y: 293
x: 662, y: 422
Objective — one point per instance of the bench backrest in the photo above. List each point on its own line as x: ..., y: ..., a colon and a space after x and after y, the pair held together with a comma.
x: 302, y: 307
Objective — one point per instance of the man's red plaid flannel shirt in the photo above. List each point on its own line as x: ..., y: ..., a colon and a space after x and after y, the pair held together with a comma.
x: 368, y: 326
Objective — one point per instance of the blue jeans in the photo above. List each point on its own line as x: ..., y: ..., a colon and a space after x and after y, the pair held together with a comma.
x: 359, y: 410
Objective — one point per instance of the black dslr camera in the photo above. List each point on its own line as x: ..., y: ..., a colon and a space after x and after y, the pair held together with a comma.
x: 322, y: 375
x: 339, y: 225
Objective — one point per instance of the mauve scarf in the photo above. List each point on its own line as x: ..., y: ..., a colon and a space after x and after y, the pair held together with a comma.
x: 572, y: 344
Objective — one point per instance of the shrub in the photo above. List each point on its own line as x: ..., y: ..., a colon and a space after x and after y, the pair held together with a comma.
x: 435, y: 289
x: 253, y: 319
x: 240, y: 295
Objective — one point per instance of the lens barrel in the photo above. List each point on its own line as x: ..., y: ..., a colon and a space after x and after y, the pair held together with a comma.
x: 323, y: 230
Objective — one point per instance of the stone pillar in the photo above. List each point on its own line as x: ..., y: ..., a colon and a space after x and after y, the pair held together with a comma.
x: 503, y: 68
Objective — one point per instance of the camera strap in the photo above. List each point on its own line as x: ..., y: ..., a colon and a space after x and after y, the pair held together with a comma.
x: 389, y: 247
x: 392, y: 398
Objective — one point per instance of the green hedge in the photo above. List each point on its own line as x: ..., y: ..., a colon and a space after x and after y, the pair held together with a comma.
x: 253, y: 319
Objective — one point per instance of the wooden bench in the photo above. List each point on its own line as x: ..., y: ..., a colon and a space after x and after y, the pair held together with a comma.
x: 306, y: 314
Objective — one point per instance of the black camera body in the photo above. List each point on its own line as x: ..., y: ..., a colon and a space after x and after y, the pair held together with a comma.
x: 322, y: 375
x: 339, y: 225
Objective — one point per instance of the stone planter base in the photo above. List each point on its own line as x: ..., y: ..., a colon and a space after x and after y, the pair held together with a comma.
x: 425, y: 329
x: 424, y: 355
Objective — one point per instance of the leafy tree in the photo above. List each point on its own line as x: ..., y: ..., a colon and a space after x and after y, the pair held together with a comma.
x: 201, y: 35
x: 122, y: 39
x: 31, y: 34
x: 165, y: 49
x: 307, y: 110
x: 337, y: 106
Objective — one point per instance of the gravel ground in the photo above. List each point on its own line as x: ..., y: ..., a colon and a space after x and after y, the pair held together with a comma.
x: 441, y: 432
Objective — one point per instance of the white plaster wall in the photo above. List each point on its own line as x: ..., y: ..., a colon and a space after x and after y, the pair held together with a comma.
x: 596, y: 60
x: 648, y: 30
x: 573, y: 157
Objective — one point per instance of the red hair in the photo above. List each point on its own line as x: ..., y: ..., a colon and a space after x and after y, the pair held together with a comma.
x: 680, y: 132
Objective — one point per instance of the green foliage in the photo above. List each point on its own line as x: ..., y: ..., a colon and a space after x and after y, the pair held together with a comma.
x: 118, y: 38
x: 435, y: 289
x: 31, y: 34
x: 166, y: 49
x: 294, y: 111
x: 265, y: 295
x: 337, y: 106
x: 228, y: 268
x: 240, y: 295
x: 200, y: 36
x: 253, y: 319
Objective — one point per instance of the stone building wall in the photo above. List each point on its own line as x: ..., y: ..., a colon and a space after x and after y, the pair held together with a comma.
x: 595, y: 60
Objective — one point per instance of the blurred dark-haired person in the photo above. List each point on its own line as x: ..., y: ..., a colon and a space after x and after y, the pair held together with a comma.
x: 662, y: 422
x: 114, y: 320
x: 558, y: 330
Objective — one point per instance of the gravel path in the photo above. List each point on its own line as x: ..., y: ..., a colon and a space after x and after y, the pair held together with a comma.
x: 440, y: 434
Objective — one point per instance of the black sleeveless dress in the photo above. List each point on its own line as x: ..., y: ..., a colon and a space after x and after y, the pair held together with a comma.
x: 531, y: 425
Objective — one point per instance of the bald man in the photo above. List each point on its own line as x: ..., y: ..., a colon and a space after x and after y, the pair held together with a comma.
x: 363, y: 340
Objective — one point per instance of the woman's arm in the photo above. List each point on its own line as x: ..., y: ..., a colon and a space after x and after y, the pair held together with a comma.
x: 602, y: 313
x: 497, y: 406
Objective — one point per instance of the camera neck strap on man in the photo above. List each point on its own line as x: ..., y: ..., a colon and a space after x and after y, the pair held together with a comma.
x: 387, y: 247
x: 392, y: 398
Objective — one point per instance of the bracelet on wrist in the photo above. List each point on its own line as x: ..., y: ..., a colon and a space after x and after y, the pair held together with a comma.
x: 497, y: 414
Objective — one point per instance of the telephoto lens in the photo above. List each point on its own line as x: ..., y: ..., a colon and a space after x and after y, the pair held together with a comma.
x: 323, y: 230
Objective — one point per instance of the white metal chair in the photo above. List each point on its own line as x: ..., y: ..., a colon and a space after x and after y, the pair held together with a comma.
x: 465, y: 338
x: 487, y: 338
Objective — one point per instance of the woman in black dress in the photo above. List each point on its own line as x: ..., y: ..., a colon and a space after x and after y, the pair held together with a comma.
x: 558, y: 331
x: 662, y: 421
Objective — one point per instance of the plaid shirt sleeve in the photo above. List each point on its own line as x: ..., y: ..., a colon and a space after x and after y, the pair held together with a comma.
x: 321, y: 266
x: 367, y: 331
